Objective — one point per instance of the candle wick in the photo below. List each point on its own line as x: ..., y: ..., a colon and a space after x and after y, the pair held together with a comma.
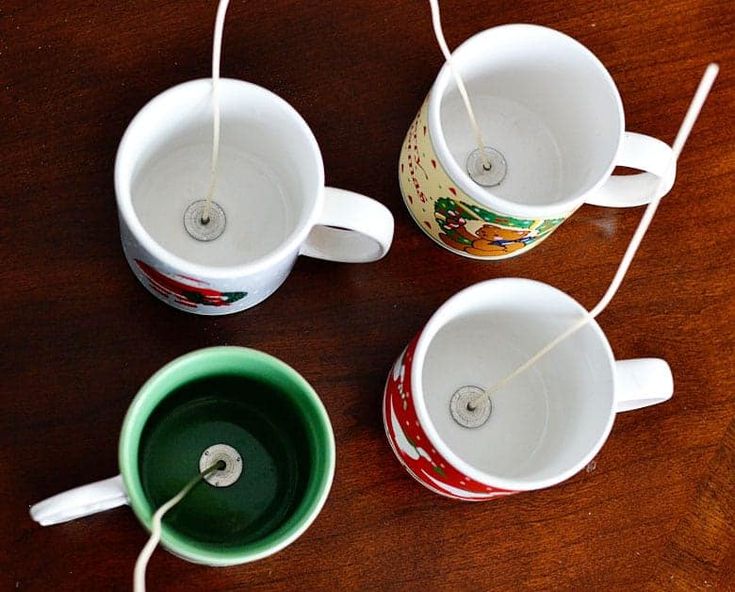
x: 145, y: 554
x: 439, y: 34
x: 216, y: 58
x: 705, y: 85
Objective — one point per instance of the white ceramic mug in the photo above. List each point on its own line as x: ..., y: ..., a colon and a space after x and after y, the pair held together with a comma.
x: 270, y: 186
x: 542, y: 427
x: 550, y: 107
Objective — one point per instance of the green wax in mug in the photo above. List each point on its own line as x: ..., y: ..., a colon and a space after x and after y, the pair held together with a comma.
x: 252, y: 417
x: 258, y: 406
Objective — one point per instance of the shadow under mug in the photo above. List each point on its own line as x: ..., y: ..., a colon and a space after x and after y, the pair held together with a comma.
x: 552, y: 110
x: 270, y: 191
x: 279, y: 467
x: 543, y: 426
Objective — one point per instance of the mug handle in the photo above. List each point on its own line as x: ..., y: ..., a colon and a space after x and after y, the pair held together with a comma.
x: 644, y: 153
x: 352, y: 228
x: 80, y: 501
x: 641, y: 383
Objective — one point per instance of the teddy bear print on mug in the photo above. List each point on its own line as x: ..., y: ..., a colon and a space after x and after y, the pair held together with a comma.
x: 484, y: 234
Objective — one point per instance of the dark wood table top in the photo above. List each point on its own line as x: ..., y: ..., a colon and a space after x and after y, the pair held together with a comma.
x: 80, y: 334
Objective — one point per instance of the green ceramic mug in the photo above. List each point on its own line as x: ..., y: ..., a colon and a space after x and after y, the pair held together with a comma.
x: 234, y: 404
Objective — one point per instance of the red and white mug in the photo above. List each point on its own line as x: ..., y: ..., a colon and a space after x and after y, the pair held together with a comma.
x: 542, y: 427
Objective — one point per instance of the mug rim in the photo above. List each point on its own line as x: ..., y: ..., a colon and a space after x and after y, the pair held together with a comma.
x: 127, y: 213
x: 484, y: 196
x: 432, y: 327
x: 317, y: 488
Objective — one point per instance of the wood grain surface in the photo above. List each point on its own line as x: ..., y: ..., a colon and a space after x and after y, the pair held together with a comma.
x: 80, y: 334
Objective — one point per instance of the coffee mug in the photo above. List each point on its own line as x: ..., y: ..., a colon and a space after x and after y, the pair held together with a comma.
x: 540, y: 428
x: 270, y: 200
x: 237, y: 405
x: 552, y: 112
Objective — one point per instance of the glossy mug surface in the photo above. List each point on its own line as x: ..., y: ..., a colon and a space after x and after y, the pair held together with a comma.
x: 270, y: 186
x: 553, y: 111
x: 281, y: 447
x: 544, y: 425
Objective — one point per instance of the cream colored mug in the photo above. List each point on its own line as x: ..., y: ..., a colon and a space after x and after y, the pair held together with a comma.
x: 553, y: 113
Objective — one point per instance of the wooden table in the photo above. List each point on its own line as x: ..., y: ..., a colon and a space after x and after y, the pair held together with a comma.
x: 80, y: 334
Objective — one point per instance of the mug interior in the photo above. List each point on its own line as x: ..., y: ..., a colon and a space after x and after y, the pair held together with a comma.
x: 268, y: 182
x: 544, y: 101
x: 546, y: 423
x: 262, y: 409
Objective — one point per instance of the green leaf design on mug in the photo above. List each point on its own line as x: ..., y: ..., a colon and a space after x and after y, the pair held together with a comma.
x: 549, y: 225
x: 494, y: 218
x: 448, y: 212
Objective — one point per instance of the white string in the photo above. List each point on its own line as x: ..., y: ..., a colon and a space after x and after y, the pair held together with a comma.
x: 700, y: 96
x: 219, y: 25
x: 439, y: 34
x: 142, y: 562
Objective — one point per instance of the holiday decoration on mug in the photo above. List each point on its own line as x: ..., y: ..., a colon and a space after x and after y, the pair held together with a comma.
x: 190, y: 294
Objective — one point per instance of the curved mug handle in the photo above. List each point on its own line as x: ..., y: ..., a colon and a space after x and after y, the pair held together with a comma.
x: 641, y: 383
x: 352, y: 228
x: 644, y: 153
x: 81, y: 501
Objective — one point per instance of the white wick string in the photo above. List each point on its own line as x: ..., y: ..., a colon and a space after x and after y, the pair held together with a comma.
x: 700, y: 96
x: 142, y: 563
x: 439, y: 34
x: 219, y: 25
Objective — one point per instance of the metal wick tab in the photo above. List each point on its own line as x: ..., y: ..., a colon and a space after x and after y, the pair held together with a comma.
x: 470, y: 406
x: 202, y: 229
x: 232, y: 465
x: 480, y: 172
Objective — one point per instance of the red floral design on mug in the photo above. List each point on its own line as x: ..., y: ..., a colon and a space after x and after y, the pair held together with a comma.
x: 183, y: 291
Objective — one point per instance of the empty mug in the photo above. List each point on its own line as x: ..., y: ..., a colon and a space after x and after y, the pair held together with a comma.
x: 554, y: 124
x: 231, y: 404
x: 271, y: 204
x: 539, y: 429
